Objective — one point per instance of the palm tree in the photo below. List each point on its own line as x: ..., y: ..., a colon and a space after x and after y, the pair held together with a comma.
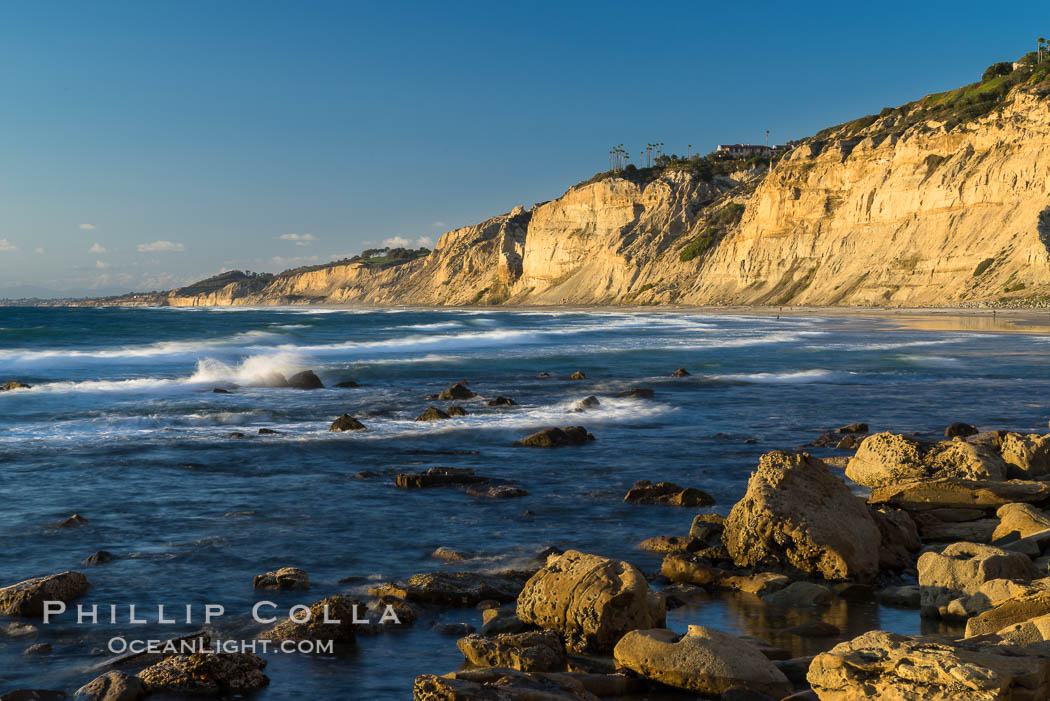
x: 1039, y: 49
x: 688, y: 151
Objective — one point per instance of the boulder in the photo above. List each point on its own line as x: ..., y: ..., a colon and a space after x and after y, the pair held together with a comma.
x: 456, y: 410
x: 1018, y: 521
x: 284, y: 579
x: 347, y: 423
x: 438, y: 477
x: 689, y: 568
x: 457, y: 391
x: 556, y: 437
x: 535, y: 651
x: 74, y: 521
x: 268, y: 432
x: 791, y: 518
x: 332, y: 618
x: 705, y: 526
x: 1026, y: 456
x: 587, y: 403
x: 666, y: 493
x: 889, y: 458
x: 799, y: 594
x: 577, y: 376
x: 99, y: 558
x: 881, y: 665
x: 849, y: 442
x: 681, y: 372
x: 112, y: 686
x: 636, y: 393
x: 593, y: 600
x: 236, y: 434
x: 452, y: 588
x: 704, y: 660
x: 432, y: 414
x: 956, y: 493
x: 501, y: 684
x: 208, y: 674
x: 305, y: 380
x: 960, y: 430
x: 961, y: 568
x: 671, y: 543
x: 27, y: 598
x: 13, y: 385
x: 501, y: 401
x: 899, y: 538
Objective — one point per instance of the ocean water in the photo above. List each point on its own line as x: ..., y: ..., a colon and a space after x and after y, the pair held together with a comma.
x: 122, y: 427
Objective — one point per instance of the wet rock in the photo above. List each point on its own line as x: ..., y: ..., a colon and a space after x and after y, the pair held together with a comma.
x: 219, y: 390
x: 438, y: 477
x: 112, y: 686
x: 637, y: 393
x: 100, y: 558
x: 73, y: 521
x: 406, y: 613
x: 689, y: 568
x: 452, y: 629
x: 587, y: 403
x: 321, y: 624
x: 500, y: 491
x: 19, y: 630
x: 961, y: 568
x: 704, y: 660
x: 305, y: 380
x: 500, y: 684
x: 881, y: 665
x: 858, y: 427
x: 206, y: 674
x: 1018, y: 521
x: 889, y: 459
x: 556, y: 437
x: 543, y: 374
x: 13, y: 385
x: 346, y: 384
x: 432, y: 414
x: 501, y: 401
x: 577, y: 376
x: 960, y: 430
x: 670, y: 544
x: 908, y: 596
x: 899, y: 538
x: 27, y: 598
x: 347, y: 423
x: 534, y: 651
x: 284, y: 579
x: 37, y: 649
x: 236, y: 434
x: 792, y: 517
x: 592, y: 600
x: 457, y: 391
x: 267, y: 432
x: 799, y: 594
x: 452, y: 588
x: 456, y: 410
x: 666, y: 493
x: 956, y: 493
x: 1026, y: 456
x: 450, y: 554
x: 680, y: 372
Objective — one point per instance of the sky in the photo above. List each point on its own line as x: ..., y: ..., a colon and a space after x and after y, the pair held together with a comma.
x: 145, y: 145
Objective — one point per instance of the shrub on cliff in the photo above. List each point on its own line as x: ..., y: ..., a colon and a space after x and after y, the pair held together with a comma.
x: 997, y: 69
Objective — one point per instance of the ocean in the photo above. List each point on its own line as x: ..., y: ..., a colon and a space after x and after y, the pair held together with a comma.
x: 122, y: 427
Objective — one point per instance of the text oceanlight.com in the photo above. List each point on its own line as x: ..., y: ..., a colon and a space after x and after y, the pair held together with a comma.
x: 120, y: 645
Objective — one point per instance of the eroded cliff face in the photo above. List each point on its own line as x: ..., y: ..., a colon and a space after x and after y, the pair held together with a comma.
x: 918, y: 216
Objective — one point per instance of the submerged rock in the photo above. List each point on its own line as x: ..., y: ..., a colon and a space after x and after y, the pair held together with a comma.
x: 792, y: 517
x: 13, y: 385
x: 346, y: 384
x: 305, y: 380
x: 99, y: 558
x: 681, y: 372
x: 703, y: 660
x: 637, y: 393
x: 438, y: 477
x: 209, y: 674
x: 27, y: 598
x: 347, y: 423
x: 73, y: 521
x: 592, y: 600
x: 284, y: 579
x: 577, y: 376
x: 556, y: 437
x: 457, y: 391
x: 432, y: 414
x: 666, y: 493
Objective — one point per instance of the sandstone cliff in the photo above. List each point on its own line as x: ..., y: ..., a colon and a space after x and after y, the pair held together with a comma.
x: 895, y: 210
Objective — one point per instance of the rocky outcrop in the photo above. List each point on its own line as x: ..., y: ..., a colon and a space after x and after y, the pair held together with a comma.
x: 284, y: 579
x: 536, y: 651
x: 703, y: 660
x: 881, y: 665
x: 206, y: 674
x: 889, y: 458
x: 666, y: 493
x: 1026, y: 456
x: 347, y: 423
x: 27, y: 598
x: 791, y: 519
x: 556, y: 437
x: 333, y: 618
x: 592, y: 600
x: 961, y: 568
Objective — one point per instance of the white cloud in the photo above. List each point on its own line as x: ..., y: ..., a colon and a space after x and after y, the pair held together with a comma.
x: 87, y: 227
x: 396, y: 242
x: 6, y: 245
x: 437, y: 224
x: 39, y: 251
x: 97, y: 248
x: 300, y: 239
x: 424, y: 242
x: 161, y: 247
x: 101, y: 265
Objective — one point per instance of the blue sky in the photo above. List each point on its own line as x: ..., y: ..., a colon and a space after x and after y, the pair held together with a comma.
x: 149, y: 144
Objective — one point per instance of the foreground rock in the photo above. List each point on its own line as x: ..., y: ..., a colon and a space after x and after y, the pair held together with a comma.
x: 1016, y: 608
x: 284, y: 579
x: 592, y: 600
x: 501, y: 684
x: 956, y: 493
x: 331, y: 618
x: 457, y: 391
x: 452, y: 588
x: 792, y: 517
x: 1026, y: 456
x: 206, y: 674
x: 27, y: 598
x: 347, y: 423
x: 666, y: 493
x: 305, y: 380
x: 535, y: 651
x: 960, y: 570
x: 889, y: 458
x: 438, y: 477
x: 556, y: 437
x: 881, y: 665
x: 112, y: 686
x: 704, y: 660
x: 13, y: 385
